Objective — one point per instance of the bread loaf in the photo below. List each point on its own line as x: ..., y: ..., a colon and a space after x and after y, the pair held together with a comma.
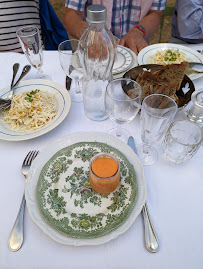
x: 166, y: 80
x: 172, y: 73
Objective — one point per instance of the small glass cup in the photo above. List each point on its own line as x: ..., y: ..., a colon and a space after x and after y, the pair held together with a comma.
x: 101, y: 179
x: 182, y: 141
x: 30, y: 40
x: 195, y: 112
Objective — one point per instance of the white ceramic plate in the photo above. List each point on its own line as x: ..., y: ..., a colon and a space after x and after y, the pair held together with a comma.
x: 124, y: 60
x: 44, y: 157
x: 63, y: 103
x: 193, y: 56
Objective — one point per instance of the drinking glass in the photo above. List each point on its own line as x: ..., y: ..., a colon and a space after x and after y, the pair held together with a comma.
x: 30, y: 41
x: 195, y: 112
x: 182, y: 141
x: 122, y: 101
x: 68, y: 56
x: 157, y: 112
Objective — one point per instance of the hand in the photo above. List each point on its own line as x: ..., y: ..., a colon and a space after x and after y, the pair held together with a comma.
x: 98, y: 48
x: 134, y: 40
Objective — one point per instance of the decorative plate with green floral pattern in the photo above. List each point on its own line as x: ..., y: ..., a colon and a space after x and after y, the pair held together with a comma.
x: 69, y: 204
x: 52, y: 160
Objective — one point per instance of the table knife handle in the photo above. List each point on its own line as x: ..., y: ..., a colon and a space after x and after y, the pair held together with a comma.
x: 151, y: 240
x: 16, y: 237
x: 68, y: 82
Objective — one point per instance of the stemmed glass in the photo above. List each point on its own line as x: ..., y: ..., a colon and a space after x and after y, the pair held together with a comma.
x: 157, y: 112
x: 30, y: 41
x: 68, y: 56
x: 123, y: 100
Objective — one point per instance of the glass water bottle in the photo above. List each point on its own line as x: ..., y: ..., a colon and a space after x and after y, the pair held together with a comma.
x: 97, y: 50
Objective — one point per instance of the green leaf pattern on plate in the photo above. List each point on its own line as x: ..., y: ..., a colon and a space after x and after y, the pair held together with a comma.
x: 69, y: 204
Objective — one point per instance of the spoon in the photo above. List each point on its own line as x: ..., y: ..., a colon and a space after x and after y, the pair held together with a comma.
x: 5, y: 103
x: 15, y: 70
x: 197, y: 67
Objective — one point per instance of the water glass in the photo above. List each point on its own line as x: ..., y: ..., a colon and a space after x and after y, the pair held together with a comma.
x: 68, y: 56
x: 123, y: 101
x: 30, y: 40
x: 157, y: 112
x: 182, y: 141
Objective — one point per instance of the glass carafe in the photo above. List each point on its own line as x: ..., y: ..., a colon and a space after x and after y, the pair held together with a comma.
x: 97, y: 50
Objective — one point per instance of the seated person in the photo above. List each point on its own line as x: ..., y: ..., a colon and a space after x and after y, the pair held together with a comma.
x: 38, y: 13
x: 15, y: 15
x: 132, y: 22
x: 187, y: 23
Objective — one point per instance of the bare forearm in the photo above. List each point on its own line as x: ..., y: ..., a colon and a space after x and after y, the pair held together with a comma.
x: 74, y: 23
x: 151, y: 22
x: 135, y: 39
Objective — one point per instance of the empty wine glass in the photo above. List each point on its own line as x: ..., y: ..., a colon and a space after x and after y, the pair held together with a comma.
x: 30, y: 41
x: 123, y: 101
x: 157, y: 112
x: 68, y: 56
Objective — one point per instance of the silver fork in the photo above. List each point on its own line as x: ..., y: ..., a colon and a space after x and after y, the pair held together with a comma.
x: 16, y: 237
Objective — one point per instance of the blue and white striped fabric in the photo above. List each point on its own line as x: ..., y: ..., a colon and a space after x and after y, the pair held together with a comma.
x: 125, y: 15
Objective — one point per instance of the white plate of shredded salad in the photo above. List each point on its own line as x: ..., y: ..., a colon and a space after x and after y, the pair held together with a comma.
x: 169, y: 53
x: 38, y: 106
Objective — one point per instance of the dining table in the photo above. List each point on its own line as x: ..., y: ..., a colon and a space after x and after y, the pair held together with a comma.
x: 174, y: 198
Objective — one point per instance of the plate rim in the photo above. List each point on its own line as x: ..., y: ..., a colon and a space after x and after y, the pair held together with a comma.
x: 47, y: 128
x: 132, y: 60
x: 171, y: 45
x: 54, y: 147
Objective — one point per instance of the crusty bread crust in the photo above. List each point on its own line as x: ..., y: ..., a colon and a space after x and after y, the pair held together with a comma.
x: 166, y: 80
x: 172, y: 72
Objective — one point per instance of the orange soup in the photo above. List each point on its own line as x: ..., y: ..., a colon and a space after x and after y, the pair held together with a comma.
x: 104, y: 173
x: 104, y: 167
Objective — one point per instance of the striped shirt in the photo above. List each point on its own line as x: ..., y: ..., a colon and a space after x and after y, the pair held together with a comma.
x: 125, y: 13
x: 15, y: 14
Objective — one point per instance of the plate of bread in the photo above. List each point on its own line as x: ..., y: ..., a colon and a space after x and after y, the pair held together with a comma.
x: 169, y: 80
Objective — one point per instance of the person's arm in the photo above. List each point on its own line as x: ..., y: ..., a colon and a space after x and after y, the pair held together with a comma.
x: 74, y: 24
x: 134, y: 39
x: 190, y: 18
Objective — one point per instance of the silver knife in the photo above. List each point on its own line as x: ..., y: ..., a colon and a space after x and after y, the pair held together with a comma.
x: 68, y: 82
x: 151, y: 240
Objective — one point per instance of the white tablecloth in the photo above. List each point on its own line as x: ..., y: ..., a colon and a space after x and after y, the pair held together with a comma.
x: 175, y: 200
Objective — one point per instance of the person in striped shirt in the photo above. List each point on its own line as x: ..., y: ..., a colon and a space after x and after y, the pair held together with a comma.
x: 15, y: 14
x: 131, y: 21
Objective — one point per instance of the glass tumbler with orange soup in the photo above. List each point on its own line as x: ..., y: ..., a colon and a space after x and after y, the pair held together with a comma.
x: 104, y: 173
